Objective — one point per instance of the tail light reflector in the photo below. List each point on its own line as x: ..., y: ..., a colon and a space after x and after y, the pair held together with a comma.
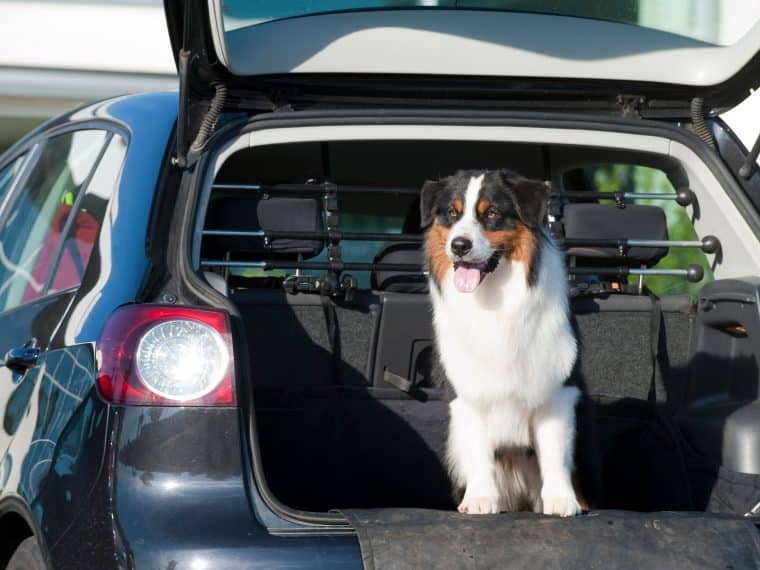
x: 166, y: 356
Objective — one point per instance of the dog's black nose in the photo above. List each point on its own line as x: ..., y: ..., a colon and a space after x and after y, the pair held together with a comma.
x: 461, y: 246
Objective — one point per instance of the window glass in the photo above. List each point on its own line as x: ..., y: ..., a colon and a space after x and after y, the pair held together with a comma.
x: 715, y: 21
x: 85, y: 226
x: 635, y: 178
x: 31, y: 232
x: 8, y: 175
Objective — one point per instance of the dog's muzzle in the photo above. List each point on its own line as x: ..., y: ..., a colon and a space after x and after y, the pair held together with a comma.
x: 468, y: 275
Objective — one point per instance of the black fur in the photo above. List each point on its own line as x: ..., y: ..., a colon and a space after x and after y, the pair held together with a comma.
x: 513, y: 196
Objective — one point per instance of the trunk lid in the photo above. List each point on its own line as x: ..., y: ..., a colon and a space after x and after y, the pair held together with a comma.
x: 271, y: 54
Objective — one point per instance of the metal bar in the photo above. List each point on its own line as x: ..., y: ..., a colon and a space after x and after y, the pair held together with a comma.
x: 239, y: 233
x: 237, y: 187
x: 683, y: 196
x: 706, y: 245
x: 663, y: 243
x: 603, y: 242
x: 317, y: 188
x: 319, y: 265
x: 418, y: 268
x: 673, y: 272
x: 338, y: 235
x: 694, y: 273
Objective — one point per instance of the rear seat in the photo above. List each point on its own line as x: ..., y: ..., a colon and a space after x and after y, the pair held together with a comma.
x: 307, y: 425
x: 283, y: 325
x: 613, y: 329
x: 404, y: 349
x: 637, y: 442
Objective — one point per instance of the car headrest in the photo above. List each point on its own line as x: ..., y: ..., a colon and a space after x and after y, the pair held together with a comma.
x: 251, y: 213
x: 600, y: 221
x: 398, y: 281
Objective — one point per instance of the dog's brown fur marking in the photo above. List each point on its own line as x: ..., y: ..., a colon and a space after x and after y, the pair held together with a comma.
x: 483, y: 206
x: 519, y: 244
x: 435, y: 249
x: 458, y: 206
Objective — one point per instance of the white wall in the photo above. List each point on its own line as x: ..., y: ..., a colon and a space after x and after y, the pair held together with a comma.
x: 122, y: 37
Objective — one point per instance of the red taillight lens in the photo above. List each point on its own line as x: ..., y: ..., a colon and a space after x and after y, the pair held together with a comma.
x: 167, y: 356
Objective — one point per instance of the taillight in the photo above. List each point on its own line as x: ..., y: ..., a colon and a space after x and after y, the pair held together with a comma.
x: 166, y: 356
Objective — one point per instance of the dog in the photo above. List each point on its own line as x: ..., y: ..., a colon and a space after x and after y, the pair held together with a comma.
x: 504, y: 338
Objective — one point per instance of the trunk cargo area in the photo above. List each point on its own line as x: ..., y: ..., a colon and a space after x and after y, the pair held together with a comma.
x: 337, y: 434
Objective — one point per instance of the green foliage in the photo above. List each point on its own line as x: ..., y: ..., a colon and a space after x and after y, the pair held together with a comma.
x: 632, y: 178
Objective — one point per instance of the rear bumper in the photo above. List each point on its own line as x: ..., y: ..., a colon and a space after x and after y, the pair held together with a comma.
x: 173, y: 494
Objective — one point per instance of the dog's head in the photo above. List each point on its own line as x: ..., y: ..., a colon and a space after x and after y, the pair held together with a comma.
x: 478, y: 218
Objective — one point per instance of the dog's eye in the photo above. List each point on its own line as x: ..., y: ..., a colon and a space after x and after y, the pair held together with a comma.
x: 492, y: 214
x: 452, y: 213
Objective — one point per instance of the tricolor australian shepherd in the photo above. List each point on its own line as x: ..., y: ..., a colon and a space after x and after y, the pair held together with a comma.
x: 500, y: 301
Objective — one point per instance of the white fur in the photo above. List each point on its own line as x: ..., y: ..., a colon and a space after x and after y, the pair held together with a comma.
x: 507, y: 349
x: 467, y: 226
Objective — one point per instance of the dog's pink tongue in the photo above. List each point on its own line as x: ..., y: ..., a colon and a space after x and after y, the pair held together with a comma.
x: 466, y: 279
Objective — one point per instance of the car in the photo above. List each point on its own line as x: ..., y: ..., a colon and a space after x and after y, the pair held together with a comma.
x: 214, y: 312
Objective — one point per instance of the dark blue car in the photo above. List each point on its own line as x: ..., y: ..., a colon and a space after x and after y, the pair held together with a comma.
x: 214, y: 311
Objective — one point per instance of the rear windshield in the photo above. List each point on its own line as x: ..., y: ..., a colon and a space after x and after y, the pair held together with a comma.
x: 719, y: 22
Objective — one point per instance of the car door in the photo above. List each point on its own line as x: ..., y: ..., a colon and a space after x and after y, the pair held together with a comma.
x: 42, y: 251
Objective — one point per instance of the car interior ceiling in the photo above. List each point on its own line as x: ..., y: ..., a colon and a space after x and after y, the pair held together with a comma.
x: 350, y: 407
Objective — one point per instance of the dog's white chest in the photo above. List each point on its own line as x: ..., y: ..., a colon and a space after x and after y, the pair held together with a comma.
x: 506, y: 340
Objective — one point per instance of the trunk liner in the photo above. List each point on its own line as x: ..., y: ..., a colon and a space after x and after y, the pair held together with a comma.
x: 419, y: 538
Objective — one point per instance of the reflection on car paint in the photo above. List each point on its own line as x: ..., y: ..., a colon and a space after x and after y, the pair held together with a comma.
x: 67, y: 376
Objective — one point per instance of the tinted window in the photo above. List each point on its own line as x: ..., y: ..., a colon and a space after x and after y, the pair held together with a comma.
x: 635, y: 178
x: 8, y: 175
x: 699, y: 19
x: 84, y: 227
x: 31, y: 231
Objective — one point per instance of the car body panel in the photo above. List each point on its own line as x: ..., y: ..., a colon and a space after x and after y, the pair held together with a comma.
x: 181, y: 497
x: 108, y: 486
x: 18, y: 327
x: 50, y: 411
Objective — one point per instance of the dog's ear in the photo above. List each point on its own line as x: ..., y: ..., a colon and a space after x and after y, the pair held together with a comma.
x: 427, y: 201
x: 531, y: 200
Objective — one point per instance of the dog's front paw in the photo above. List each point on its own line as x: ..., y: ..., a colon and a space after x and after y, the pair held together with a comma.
x: 563, y: 504
x: 479, y: 506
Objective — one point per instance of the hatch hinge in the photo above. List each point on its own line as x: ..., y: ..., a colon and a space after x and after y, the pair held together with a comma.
x: 199, y: 109
x: 631, y: 105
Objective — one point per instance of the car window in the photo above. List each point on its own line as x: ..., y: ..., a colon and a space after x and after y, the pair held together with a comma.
x: 8, y: 175
x: 31, y: 231
x: 637, y: 178
x: 698, y: 19
x: 85, y: 226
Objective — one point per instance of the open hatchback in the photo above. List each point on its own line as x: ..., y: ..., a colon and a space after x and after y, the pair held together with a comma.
x: 305, y: 132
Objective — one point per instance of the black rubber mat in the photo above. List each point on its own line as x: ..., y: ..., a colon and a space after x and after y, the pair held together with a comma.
x: 418, y: 538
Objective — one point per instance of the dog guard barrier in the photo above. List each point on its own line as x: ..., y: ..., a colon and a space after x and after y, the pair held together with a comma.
x: 683, y: 196
x: 694, y: 273
x: 708, y: 244
x: 335, y: 265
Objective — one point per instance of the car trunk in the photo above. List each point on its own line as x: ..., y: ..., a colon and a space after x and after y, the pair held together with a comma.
x: 348, y: 410
x: 338, y: 431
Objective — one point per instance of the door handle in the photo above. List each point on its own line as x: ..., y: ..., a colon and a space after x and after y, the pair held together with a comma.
x: 21, y: 358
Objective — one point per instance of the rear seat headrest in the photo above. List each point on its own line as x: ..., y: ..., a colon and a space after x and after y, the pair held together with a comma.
x: 398, y: 281
x: 612, y: 222
x: 265, y: 213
